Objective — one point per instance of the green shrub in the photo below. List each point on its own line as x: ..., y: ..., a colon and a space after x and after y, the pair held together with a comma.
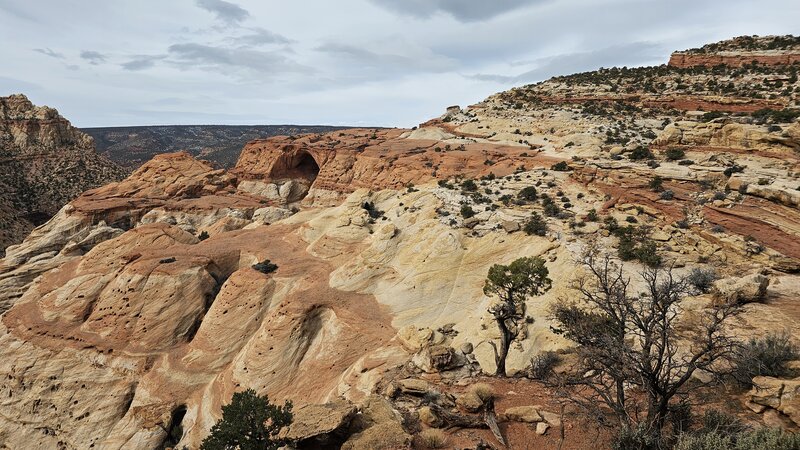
x: 203, y: 235
x: 536, y: 225
x: 715, y: 421
x: 768, y: 439
x: 249, y: 422
x: 760, y: 439
x: 711, y: 115
x: 702, y: 279
x: 265, y: 266
x: 640, y: 153
x: 674, y: 154
x: 561, y: 166
x: 704, y: 441
x: 656, y: 183
x: 551, y: 209
x: 469, y: 186
x: 635, y: 438
x: 765, y: 356
x: 542, y: 365
x: 467, y: 212
x: 527, y: 193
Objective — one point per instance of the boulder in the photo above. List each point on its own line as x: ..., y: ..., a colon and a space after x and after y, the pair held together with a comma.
x: 413, y: 386
x: 469, y: 401
x: 778, y: 394
x: 541, y: 428
x: 414, y: 338
x: 510, y: 226
x: 378, y: 426
x: 321, y: 425
x: 438, y: 358
x: 747, y: 289
x: 270, y: 214
x: 526, y: 414
x: 428, y: 417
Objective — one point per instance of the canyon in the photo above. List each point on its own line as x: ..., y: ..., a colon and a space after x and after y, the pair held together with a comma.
x: 142, y: 305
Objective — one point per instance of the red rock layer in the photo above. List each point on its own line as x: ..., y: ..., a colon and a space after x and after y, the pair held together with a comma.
x: 684, y: 60
x: 361, y: 158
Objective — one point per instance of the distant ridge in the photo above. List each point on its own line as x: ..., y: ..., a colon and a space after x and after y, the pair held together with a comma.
x: 132, y: 146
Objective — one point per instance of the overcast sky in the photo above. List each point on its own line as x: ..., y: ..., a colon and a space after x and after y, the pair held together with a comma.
x: 343, y: 62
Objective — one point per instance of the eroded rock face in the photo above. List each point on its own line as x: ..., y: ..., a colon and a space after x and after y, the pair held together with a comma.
x: 780, y: 395
x: 740, y: 290
x: 139, y: 300
x: 341, y: 162
x: 44, y: 163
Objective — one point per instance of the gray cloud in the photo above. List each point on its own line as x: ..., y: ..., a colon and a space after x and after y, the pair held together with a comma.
x: 225, y: 11
x: 260, y: 36
x: 417, y: 60
x: 230, y: 61
x: 141, y: 62
x: 93, y: 57
x: 461, y: 10
x: 48, y: 52
x: 620, y: 55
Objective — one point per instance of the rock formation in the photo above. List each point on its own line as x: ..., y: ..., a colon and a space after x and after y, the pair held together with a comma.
x: 44, y: 163
x: 141, y: 307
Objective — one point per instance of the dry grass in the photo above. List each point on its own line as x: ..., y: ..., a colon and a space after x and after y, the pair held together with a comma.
x: 483, y: 391
x: 433, y: 438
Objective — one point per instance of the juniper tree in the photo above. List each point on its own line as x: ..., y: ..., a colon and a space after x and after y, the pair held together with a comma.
x: 512, y: 285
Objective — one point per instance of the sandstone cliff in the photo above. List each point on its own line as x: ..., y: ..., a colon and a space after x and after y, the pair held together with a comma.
x: 44, y: 163
x: 140, y: 308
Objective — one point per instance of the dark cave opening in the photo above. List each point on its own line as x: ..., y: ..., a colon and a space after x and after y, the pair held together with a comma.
x: 175, y: 428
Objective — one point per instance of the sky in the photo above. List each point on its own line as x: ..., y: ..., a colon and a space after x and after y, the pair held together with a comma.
x: 344, y: 62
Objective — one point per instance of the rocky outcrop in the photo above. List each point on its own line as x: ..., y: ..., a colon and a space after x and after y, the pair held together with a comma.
x: 734, y: 59
x: 44, y: 163
x: 740, y: 290
x: 341, y: 162
x: 778, y: 394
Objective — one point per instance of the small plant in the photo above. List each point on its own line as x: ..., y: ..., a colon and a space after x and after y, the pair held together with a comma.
x: 551, y: 209
x: 469, y: 186
x: 640, y: 153
x: 542, y: 365
x: 716, y: 421
x: 433, y: 438
x: 667, y: 195
x: 702, y: 279
x: 203, y: 235
x: 561, y: 166
x: 656, y: 183
x: 265, y: 267
x: 373, y: 212
x: 467, y: 212
x: 674, y: 154
x: 635, y: 438
x: 591, y: 216
x: 527, y: 193
x: 711, y: 115
x: 733, y: 169
x: 766, y: 356
x: 536, y: 225
x: 483, y: 391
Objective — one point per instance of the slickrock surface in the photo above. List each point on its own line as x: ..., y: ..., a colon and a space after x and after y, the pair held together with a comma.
x: 44, y: 163
x: 139, y: 299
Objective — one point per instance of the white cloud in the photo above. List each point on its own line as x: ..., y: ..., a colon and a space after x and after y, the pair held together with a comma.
x: 364, y: 62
